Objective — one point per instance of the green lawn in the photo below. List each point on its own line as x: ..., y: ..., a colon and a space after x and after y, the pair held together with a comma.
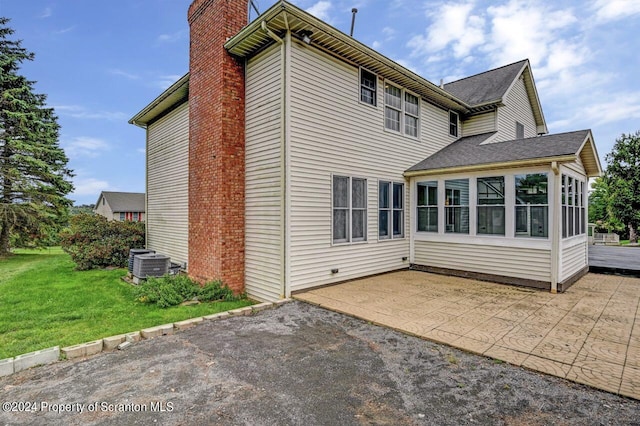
x: 45, y: 302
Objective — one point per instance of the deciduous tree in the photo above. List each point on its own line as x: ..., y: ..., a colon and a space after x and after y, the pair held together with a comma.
x: 623, y: 180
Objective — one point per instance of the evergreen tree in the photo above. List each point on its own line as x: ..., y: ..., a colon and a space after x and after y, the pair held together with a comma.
x: 623, y: 180
x: 34, y: 178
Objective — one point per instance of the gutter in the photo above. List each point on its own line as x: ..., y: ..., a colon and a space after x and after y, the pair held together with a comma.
x: 491, y: 166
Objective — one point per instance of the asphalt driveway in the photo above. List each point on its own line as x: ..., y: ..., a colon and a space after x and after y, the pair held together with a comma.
x: 300, y: 365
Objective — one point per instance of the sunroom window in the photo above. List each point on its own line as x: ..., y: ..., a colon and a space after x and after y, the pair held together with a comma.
x: 456, y: 206
x: 428, y: 206
x: 532, y: 205
x: 490, y: 209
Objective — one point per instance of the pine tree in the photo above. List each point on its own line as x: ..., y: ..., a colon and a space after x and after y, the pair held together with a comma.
x: 34, y: 178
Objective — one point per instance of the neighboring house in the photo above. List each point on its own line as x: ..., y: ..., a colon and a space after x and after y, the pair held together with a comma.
x: 122, y: 206
x: 294, y: 156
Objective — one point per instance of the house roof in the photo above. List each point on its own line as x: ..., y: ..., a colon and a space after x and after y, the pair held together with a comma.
x: 284, y: 16
x: 479, y: 152
x: 486, y: 87
x: 489, y: 89
x: 124, y: 201
x: 176, y: 94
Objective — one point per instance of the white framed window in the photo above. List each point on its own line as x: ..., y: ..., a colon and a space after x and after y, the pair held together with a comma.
x: 390, y: 210
x: 427, y: 207
x: 368, y: 87
x: 519, y: 130
x: 349, y: 209
x: 453, y: 123
x: 411, y: 111
x: 532, y: 205
x: 573, y: 207
x: 401, y: 111
x: 456, y: 202
x: 491, y: 205
x: 392, y: 107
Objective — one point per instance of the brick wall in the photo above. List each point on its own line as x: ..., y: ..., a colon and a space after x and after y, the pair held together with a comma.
x: 216, y: 144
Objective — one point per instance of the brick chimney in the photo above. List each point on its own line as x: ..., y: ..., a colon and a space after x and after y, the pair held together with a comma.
x: 216, y: 144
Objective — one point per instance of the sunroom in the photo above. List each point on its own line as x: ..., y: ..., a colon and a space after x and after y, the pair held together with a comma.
x: 513, y: 212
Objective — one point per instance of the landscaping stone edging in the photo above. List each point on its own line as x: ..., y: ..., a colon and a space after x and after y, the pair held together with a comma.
x: 18, y: 363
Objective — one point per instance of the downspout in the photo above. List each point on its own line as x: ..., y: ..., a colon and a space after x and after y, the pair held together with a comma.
x: 555, y: 236
x: 283, y: 180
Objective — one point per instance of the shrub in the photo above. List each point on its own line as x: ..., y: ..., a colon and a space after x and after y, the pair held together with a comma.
x: 95, y: 242
x: 171, y: 290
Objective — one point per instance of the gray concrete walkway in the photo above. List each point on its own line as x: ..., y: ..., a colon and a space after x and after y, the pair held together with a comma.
x: 590, y: 334
x: 615, y: 259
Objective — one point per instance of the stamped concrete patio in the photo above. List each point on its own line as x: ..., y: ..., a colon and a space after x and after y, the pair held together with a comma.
x: 590, y: 334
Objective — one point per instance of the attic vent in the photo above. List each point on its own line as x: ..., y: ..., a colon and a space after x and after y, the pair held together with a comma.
x: 150, y: 265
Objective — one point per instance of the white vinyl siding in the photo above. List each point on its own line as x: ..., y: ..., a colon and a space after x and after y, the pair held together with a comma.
x: 263, y: 256
x: 517, y: 109
x: 333, y: 133
x: 574, y: 257
x: 527, y: 263
x: 167, y: 215
x: 479, y: 124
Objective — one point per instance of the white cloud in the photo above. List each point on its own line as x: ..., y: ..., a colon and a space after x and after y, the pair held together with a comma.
x: 77, y: 111
x: 612, y: 10
x: 124, y: 74
x: 164, y: 81
x: 615, y: 107
x: 84, y: 146
x: 451, y: 24
x: 65, y: 30
x: 85, y: 186
x: 321, y: 10
x: 376, y: 45
x: 521, y: 29
x: 46, y: 13
x: 173, y: 37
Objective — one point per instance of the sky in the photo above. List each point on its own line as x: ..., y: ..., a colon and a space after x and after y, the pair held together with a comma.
x: 101, y: 62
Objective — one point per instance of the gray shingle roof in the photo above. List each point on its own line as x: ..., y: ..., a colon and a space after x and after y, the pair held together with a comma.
x: 470, y: 151
x: 125, y: 201
x: 487, y: 86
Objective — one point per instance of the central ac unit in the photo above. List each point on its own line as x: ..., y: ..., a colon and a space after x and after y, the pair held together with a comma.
x: 133, y: 253
x: 150, y: 265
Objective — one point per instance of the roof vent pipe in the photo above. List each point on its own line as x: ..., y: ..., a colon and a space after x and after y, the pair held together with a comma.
x: 251, y: 4
x: 353, y: 20
x: 442, y: 83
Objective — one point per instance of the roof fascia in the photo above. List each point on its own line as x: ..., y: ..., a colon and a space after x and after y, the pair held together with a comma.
x: 593, y: 151
x: 165, y: 101
x: 492, y: 166
x: 286, y: 8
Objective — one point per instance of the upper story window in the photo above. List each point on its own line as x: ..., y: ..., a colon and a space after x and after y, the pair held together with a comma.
x: 453, y: 123
x: 401, y: 111
x: 411, y: 107
x: 519, y: 130
x: 368, y: 87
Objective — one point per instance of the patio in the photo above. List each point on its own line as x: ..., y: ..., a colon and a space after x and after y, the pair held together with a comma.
x: 589, y: 334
